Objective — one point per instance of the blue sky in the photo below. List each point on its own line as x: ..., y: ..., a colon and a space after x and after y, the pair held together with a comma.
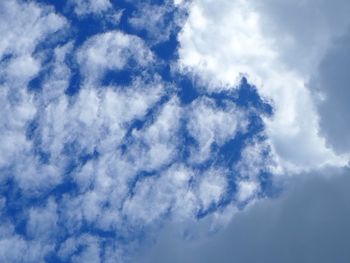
x: 167, y: 131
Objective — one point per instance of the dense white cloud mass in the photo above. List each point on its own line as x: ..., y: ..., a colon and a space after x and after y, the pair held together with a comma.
x: 224, y: 39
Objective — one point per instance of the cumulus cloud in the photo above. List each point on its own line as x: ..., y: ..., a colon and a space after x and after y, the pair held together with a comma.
x: 255, y: 39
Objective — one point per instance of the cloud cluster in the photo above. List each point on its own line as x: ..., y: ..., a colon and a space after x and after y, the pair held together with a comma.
x: 90, y: 162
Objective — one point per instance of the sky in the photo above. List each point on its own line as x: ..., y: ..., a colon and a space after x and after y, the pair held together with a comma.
x: 174, y: 131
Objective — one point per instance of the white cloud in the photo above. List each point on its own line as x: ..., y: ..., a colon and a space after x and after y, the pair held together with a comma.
x: 101, y: 125
x: 154, y: 19
x: 42, y: 221
x: 22, y: 26
x: 178, y: 2
x: 13, y: 122
x: 256, y: 157
x: 111, y: 51
x: 246, y: 190
x: 15, y: 249
x: 212, y: 185
x: 222, y: 40
x: 55, y: 84
x: 85, y: 7
x: 90, y: 252
x: 156, y: 145
x: 168, y: 193
x: 209, y: 124
x: 84, y: 248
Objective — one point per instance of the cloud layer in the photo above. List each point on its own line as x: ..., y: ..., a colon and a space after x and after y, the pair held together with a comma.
x: 101, y: 146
